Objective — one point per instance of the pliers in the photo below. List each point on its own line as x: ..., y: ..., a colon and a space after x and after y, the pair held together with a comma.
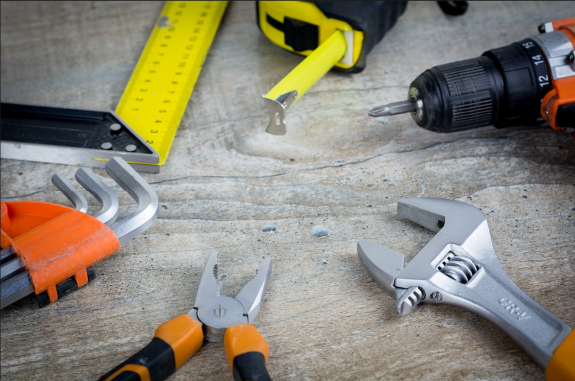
x: 214, y: 318
x: 459, y: 267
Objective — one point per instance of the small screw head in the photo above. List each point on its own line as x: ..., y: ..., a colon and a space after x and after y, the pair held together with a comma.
x: 436, y: 297
x: 541, y: 28
x: 115, y: 128
x: 106, y: 146
x: 571, y: 56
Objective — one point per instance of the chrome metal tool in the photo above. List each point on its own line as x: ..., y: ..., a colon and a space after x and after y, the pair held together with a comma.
x: 529, y: 82
x: 213, y: 318
x: 459, y: 267
x: 48, y: 249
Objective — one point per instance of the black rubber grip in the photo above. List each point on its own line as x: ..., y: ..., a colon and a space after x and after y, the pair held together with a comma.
x: 503, y: 87
x: 250, y: 366
x: 373, y: 18
x: 526, y: 81
x: 460, y: 95
x: 63, y: 288
x: 157, y: 356
x: 566, y: 115
x: 453, y: 8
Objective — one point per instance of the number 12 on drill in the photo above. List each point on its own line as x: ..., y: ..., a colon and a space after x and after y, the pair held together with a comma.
x: 158, y: 92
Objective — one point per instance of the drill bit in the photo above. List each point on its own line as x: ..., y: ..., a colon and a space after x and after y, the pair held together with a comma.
x: 393, y: 108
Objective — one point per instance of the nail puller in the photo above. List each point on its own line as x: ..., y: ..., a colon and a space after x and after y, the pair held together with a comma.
x: 48, y: 249
x: 459, y: 267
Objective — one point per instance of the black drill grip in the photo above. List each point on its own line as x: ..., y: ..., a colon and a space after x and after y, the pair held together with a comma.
x: 373, y: 18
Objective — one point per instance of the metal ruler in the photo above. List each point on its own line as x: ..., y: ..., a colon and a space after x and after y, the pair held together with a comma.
x: 146, y: 120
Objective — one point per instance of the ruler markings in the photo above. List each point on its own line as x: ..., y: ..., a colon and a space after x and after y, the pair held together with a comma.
x: 158, y: 92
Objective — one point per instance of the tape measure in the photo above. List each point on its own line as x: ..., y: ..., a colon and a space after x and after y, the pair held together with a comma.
x: 158, y: 92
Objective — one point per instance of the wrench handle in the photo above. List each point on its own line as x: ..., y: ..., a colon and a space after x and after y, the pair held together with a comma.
x: 530, y: 325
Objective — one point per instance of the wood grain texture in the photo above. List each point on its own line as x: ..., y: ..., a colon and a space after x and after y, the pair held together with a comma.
x: 225, y: 179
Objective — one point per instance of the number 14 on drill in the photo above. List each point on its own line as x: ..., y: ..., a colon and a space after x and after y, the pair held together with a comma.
x: 157, y: 94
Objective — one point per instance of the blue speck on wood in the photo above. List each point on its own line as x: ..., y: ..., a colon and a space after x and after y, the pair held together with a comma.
x: 269, y: 228
x: 320, y: 231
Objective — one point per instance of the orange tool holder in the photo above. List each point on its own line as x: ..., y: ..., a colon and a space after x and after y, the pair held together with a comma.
x: 55, y: 242
x: 563, y: 93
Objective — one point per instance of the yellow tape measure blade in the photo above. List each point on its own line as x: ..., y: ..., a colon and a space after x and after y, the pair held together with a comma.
x: 158, y: 92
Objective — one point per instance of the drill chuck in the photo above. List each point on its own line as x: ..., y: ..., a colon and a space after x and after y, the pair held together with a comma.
x: 526, y: 83
x: 503, y: 87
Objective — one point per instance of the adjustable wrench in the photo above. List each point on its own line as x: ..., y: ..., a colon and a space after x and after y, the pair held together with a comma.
x: 459, y: 267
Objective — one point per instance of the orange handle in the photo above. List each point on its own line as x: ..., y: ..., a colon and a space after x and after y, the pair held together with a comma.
x: 55, y: 242
x: 558, y: 106
x: 247, y: 352
x: 561, y: 367
x: 174, y: 343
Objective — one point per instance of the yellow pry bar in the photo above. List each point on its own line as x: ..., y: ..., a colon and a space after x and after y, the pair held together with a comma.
x: 158, y: 92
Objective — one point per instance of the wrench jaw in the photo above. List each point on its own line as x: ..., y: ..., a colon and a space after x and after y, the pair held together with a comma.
x: 459, y: 267
x: 383, y: 264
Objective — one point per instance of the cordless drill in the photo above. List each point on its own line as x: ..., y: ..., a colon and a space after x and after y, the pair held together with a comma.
x: 528, y: 82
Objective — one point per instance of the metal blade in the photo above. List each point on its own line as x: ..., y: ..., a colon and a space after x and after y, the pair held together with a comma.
x: 437, y: 213
x: 70, y: 192
x: 15, y: 280
x: 209, y: 286
x: 252, y: 294
x: 394, y: 108
x: 382, y: 263
x: 110, y: 205
x: 146, y: 212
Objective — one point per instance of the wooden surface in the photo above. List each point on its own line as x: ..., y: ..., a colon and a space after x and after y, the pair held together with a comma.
x: 225, y: 179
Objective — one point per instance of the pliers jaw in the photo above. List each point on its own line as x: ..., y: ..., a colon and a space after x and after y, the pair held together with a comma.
x: 216, y: 312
